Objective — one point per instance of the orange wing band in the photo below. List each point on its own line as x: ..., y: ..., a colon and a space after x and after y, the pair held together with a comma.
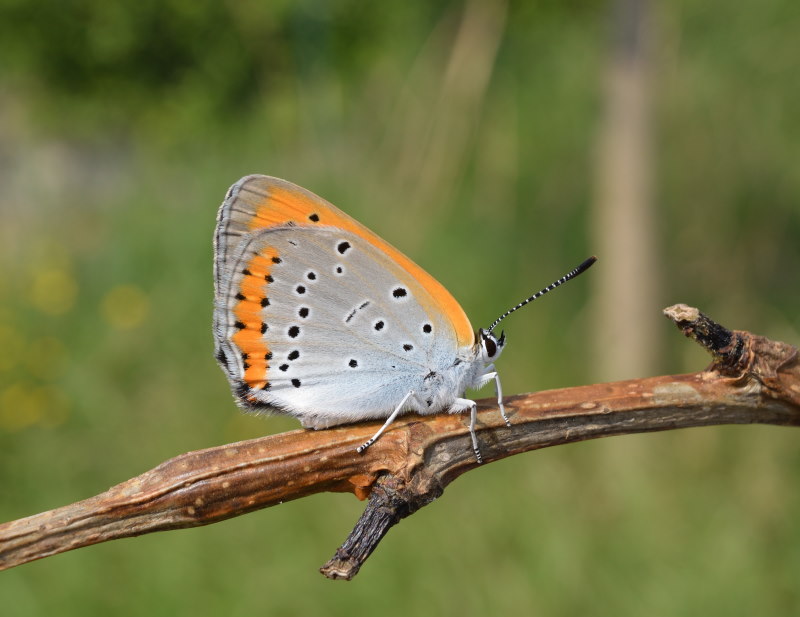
x: 253, y: 290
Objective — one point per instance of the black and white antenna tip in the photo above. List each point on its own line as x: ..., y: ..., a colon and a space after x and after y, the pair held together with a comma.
x: 583, y: 267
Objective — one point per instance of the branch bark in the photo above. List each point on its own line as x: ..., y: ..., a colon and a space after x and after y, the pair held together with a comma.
x: 752, y: 380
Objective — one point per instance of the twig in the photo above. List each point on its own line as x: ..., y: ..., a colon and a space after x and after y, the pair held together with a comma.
x: 752, y: 380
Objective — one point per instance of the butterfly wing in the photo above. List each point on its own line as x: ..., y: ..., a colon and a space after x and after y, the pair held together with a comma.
x: 317, y: 316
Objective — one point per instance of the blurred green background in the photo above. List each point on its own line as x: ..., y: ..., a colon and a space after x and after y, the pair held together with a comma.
x: 475, y: 136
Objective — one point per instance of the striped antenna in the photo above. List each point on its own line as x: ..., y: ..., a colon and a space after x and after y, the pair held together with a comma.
x: 570, y: 275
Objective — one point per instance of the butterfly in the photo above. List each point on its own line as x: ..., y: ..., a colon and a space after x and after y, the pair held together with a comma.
x: 317, y: 317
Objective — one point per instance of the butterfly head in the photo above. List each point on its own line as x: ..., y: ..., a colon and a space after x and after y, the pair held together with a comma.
x: 489, y: 345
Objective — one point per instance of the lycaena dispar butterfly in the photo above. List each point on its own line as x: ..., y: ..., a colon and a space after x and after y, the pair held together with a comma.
x: 317, y: 317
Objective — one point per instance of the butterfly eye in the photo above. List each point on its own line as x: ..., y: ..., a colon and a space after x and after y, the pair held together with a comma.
x: 489, y: 345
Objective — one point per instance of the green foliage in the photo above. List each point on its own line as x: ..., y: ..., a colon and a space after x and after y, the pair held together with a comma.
x: 124, y: 124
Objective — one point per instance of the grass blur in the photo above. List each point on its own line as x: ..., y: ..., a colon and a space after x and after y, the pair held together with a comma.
x: 464, y: 133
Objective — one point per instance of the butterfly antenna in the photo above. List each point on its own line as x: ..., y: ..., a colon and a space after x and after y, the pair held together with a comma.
x: 570, y: 275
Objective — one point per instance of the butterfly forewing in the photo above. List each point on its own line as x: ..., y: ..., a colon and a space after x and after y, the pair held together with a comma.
x: 261, y: 202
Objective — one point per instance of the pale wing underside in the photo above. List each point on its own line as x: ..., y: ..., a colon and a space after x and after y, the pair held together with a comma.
x: 318, y: 322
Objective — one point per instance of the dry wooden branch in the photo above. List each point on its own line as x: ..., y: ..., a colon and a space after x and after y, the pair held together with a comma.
x: 752, y: 380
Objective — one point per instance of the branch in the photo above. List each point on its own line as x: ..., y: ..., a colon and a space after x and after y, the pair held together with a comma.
x: 752, y: 380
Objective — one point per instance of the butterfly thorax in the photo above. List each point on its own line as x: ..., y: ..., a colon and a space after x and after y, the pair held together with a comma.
x: 471, y: 369
x: 440, y: 386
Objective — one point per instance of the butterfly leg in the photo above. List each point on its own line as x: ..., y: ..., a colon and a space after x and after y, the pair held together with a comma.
x: 485, y: 378
x: 360, y: 449
x: 473, y: 416
x: 499, y: 391
x: 462, y: 404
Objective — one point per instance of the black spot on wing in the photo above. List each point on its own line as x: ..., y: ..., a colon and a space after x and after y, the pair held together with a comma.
x: 241, y: 389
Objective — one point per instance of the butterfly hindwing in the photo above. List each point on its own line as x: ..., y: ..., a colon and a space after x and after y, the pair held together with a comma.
x: 317, y: 318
